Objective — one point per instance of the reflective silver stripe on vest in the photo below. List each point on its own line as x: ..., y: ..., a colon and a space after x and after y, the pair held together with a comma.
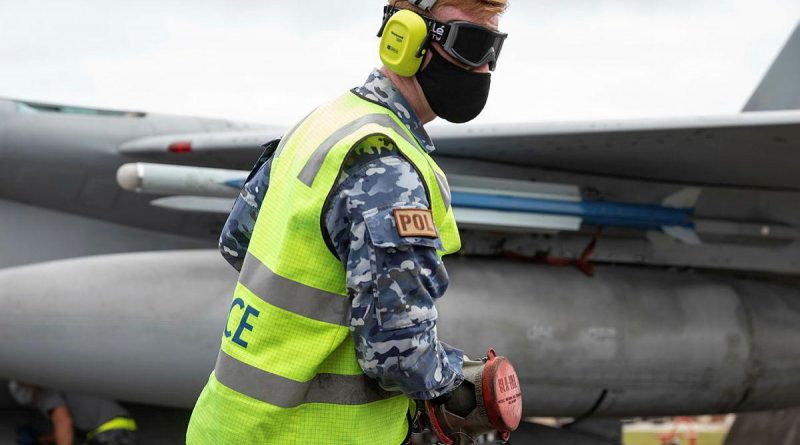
x: 444, y: 189
x: 288, y: 393
x: 289, y: 134
x: 293, y: 296
x: 314, y: 164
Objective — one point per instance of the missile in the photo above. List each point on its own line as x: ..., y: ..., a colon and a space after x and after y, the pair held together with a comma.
x: 478, y: 202
x: 499, y: 200
x: 165, y: 179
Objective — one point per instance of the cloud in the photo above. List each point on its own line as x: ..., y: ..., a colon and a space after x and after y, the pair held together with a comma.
x: 271, y: 62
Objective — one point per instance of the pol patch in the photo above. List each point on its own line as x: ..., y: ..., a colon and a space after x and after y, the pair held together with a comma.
x: 415, y: 222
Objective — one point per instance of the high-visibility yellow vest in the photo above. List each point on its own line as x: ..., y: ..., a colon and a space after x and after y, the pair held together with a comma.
x: 287, y: 371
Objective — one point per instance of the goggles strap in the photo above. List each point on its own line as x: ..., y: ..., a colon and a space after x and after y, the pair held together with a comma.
x: 424, y: 4
x: 437, y: 31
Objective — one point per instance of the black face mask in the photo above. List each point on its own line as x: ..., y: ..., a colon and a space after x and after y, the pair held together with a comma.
x: 454, y: 94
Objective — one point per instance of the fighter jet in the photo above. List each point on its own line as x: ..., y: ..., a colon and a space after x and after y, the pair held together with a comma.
x: 628, y: 268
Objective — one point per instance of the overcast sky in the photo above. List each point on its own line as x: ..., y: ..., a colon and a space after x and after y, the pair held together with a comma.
x: 272, y: 61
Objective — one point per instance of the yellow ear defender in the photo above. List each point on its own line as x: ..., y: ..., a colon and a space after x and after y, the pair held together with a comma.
x: 404, y: 41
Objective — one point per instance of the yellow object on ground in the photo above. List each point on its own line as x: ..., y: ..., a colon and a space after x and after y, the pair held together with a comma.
x: 117, y: 423
x: 642, y: 438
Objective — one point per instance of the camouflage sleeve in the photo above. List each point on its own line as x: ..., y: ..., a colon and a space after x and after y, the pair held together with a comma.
x: 393, y: 281
x: 238, y: 229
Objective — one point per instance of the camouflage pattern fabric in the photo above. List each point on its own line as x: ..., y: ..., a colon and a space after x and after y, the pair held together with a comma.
x: 393, y: 281
x: 239, y: 227
x: 379, y: 89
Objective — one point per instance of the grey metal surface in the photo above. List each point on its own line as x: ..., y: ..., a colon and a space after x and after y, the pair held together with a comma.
x: 229, y: 141
x: 780, y: 88
x: 631, y: 341
x: 68, y: 163
x: 137, y: 327
x: 755, y: 149
x: 509, y: 187
x: 30, y: 234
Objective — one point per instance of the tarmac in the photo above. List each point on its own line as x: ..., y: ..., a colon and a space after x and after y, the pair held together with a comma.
x: 167, y: 426
x: 770, y: 428
x: 157, y: 426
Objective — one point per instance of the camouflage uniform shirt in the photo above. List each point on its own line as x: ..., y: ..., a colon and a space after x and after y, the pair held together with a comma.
x: 393, y: 281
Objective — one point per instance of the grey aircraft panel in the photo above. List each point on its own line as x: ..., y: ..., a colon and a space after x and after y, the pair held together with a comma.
x: 227, y: 141
x: 141, y: 327
x: 749, y: 150
x: 146, y: 327
x: 30, y: 234
x: 756, y: 150
x: 779, y: 89
x: 68, y: 163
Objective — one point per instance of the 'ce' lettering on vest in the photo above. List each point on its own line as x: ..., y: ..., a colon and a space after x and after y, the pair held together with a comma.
x: 244, y: 325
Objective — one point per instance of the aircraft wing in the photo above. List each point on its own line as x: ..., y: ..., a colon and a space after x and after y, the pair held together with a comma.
x: 755, y: 150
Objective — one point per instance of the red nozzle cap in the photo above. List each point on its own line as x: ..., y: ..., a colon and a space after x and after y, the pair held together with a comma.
x: 502, y: 394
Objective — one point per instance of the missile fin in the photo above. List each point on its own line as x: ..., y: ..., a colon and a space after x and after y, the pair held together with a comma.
x: 683, y: 199
x: 684, y: 234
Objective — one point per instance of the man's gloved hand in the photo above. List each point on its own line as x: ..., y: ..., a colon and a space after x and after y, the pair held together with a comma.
x: 489, y: 399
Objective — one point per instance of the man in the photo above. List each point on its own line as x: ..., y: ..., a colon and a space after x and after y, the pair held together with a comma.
x: 96, y: 421
x: 332, y: 329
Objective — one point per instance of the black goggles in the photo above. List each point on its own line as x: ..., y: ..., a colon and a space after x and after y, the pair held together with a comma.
x: 469, y: 43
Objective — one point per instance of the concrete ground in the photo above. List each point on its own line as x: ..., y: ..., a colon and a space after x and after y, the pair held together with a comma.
x: 167, y: 426
x: 157, y: 426
x: 770, y: 428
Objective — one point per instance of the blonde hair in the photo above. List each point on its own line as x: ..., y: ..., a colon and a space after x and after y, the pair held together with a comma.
x: 478, y: 8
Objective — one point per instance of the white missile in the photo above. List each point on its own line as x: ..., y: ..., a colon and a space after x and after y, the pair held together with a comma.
x: 202, y: 189
x: 165, y: 179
